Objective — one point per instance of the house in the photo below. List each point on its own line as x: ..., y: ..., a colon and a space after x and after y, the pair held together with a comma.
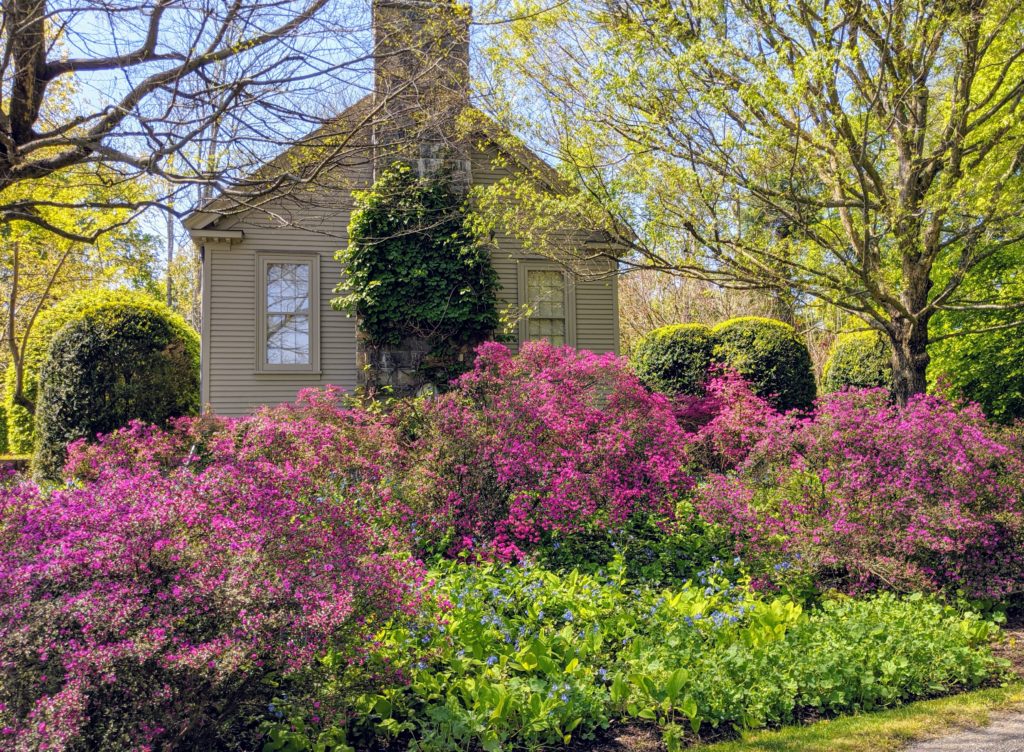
x: 269, y: 270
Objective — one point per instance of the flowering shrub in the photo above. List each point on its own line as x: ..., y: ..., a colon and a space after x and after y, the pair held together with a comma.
x: 151, y: 606
x: 319, y: 435
x: 866, y: 494
x: 525, y: 449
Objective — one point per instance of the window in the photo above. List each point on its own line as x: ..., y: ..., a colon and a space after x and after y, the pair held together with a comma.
x: 547, y: 294
x: 288, y: 316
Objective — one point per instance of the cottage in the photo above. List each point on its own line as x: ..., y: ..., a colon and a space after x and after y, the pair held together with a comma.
x: 269, y: 271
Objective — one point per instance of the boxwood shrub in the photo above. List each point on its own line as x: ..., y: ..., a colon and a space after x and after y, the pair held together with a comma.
x: 675, y: 359
x: 20, y: 422
x: 771, y: 356
x: 860, y: 360
x: 119, y: 361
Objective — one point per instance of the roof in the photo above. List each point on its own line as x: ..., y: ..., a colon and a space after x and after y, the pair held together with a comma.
x: 351, y: 121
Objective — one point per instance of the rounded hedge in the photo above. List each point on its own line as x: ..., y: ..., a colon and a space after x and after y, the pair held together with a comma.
x: 858, y: 360
x: 674, y: 359
x: 116, y: 362
x: 771, y: 356
x: 20, y: 422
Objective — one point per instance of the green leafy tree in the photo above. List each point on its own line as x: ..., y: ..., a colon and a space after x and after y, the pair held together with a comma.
x: 414, y: 266
x: 981, y: 357
x: 864, y: 155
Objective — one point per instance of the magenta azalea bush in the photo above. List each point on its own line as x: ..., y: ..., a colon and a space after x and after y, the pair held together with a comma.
x: 544, y: 444
x: 866, y: 494
x: 164, y: 601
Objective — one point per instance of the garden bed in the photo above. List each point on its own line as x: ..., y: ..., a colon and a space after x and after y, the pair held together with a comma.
x: 548, y: 555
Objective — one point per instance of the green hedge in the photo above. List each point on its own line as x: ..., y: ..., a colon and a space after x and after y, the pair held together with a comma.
x: 675, y: 359
x: 771, y: 356
x: 116, y: 362
x: 986, y: 368
x: 858, y: 360
x: 21, y: 423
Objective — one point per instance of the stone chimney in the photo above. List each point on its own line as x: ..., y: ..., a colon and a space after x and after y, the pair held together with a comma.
x: 421, y: 83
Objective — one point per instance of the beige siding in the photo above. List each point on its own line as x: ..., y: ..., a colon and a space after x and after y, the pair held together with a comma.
x: 596, y: 294
x: 232, y: 385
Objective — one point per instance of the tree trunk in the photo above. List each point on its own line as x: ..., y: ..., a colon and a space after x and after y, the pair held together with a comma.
x: 909, y: 358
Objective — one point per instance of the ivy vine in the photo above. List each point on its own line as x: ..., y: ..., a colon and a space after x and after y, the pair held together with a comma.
x: 415, y: 266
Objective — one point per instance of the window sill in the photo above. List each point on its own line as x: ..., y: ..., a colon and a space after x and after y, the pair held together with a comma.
x: 287, y: 372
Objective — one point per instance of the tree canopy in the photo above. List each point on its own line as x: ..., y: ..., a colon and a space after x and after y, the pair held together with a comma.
x: 869, y: 156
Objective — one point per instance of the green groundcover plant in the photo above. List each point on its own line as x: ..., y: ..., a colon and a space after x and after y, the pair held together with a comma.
x: 526, y: 658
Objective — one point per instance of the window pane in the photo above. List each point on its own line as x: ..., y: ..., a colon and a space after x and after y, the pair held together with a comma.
x: 287, y: 339
x: 287, y: 288
x: 545, y: 293
x: 287, y: 312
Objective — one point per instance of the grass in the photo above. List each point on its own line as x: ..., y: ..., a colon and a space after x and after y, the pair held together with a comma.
x: 888, y: 730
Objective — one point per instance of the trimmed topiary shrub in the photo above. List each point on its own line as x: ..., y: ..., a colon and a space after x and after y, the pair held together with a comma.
x: 771, y: 356
x: 675, y: 359
x: 115, y: 363
x: 20, y: 422
x: 859, y: 360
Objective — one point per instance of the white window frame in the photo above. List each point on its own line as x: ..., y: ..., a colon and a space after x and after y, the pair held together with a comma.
x: 263, y: 260
x: 525, y: 267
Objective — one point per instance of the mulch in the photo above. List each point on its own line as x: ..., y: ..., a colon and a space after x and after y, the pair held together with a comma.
x: 1011, y: 647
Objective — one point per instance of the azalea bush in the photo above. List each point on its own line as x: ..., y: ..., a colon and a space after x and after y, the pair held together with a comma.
x: 530, y: 448
x: 160, y: 602
x: 864, y: 494
x: 525, y: 658
x: 323, y: 435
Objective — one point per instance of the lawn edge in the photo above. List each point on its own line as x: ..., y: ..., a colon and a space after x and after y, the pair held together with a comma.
x: 887, y: 730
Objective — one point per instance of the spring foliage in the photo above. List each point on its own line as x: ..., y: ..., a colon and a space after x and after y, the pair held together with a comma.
x: 230, y: 581
x: 547, y: 443
x: 122, y: 359
x: 21, y: 423
x: 158, y: 604
x: 415, y: 267
x: 674, y: 359
x: 860, y: 360
x: 771, y: 356
x: 523, y: 658
x: 864, y: 494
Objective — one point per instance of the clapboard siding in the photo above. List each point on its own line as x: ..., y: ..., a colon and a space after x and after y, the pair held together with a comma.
x: 233, y: 387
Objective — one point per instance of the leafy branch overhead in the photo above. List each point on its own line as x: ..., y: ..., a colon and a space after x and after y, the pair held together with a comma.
x: 415, y: 267
x: 867, y: 156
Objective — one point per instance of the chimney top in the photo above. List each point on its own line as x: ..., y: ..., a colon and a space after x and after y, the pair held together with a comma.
x: 421, y: 82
